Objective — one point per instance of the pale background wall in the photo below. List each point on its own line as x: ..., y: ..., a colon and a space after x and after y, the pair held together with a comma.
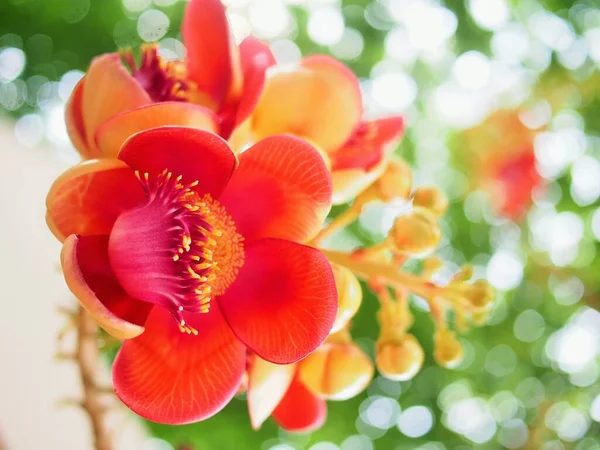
x: 32, y: 382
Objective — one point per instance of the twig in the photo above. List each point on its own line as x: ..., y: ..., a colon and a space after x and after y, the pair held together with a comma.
x: 87, y: 356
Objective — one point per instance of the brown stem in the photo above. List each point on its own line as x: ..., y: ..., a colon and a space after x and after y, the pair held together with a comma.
x: 87, y: 356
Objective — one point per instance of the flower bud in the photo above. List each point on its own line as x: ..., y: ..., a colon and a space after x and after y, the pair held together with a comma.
x: 395, y: 181
x: 399, y: 359
x: 431, y: 198
x: 479, y: 294
x: 349, y: 296
x: 416, y: 234
x: 448, y: 350
x: 336, y: 371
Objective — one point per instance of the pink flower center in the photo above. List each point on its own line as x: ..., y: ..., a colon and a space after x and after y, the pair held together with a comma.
x: 179, y: 250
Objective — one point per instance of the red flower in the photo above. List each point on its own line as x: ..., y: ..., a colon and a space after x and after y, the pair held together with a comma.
x: 172, y: 229
x: 215, y: 88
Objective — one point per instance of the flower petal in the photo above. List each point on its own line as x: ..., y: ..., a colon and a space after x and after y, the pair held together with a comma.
x: 111, y: 135
x: 300, y: 410
x: 267, y: 384
x: 283, y: 302
x: 108, y: 90
x: 256, y: 58
x: 212, y: 56
x: 320, y: 101
x: 281, y: 189
x: 88, y: 198
x: 89, y: 276
x: 364, y: 157
x: 167, y: 376
x: 74, y: 120
x: 195, y: 154
x: 373, y: 141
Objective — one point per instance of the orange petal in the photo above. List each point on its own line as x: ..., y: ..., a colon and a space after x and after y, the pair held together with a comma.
x: 212, y: 55
x: 300, y: 410
x: 320, y: 101
x: 336, y: 371
x: 283, y: 302
x: 267, y: 384
x: 74, y: 120
x: 108, y: 90
x: 111, y: 135
x: 89, y: 276
x: 88, y: 198
x: 171, y: 377
x: 281, y: 189
x: 196, y: 155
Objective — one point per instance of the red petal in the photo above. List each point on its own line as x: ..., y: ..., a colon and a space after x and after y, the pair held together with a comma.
x: 74, y: 120
x: 282, y: 189
x: 370, y: 143
x: 267, y: 384
x: 212, y: 56
x: 283, y: 302
x: 195, y: 154
x: 88, y: 274
x: 111, y: 135
x: 88, y: 198
x: 300, y: 410
x: 256, y: 58
x: 167, y: 376
x: 109, y: 89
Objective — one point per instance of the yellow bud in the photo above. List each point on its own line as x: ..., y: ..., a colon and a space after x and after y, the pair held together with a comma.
x: 431, y: 265
x: 399, y: 359
x: 431, y: 198
x: 395, y: 181
x: 481, y: 317
x: 479, y: 294
x: 448, y: 351
x: 336, y: 371
x: 349, y: 296
x: 416, y: 234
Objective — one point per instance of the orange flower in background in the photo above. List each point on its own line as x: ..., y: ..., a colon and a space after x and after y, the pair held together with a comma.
x: 192, y: 259
x: 505, y: 161
x: 215, y: 88
x: 321, y: 102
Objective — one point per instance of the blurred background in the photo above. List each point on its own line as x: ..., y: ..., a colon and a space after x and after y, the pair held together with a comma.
x: 503, y: 114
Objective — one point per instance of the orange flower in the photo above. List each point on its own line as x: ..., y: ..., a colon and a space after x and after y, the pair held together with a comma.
x: 215, y: 88
x: 191, y: 259
x: 504, y: 153
x: 321, y: 102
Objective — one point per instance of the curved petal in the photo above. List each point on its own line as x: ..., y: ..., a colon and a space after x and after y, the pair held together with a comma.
x: 267, y: 384
x: 89, y: 276
x: 364, y: 157
x: 111, y: 135
x: 195, y: 154
x: 300, y: 410
x: 256, y: 58
x: 212, y: 56
x: 109, y: 89
x: 320, y: 101
x: 372, y: 141
x: 74, y: 120
x: 283, y: 302
x: 167, y: 376
x: 88, y: 198
x: 281, y: 189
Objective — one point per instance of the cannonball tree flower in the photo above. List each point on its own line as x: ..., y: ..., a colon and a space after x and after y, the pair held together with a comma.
x: 192, y: 259
x: 215, y: 88
x: 321, y: 102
